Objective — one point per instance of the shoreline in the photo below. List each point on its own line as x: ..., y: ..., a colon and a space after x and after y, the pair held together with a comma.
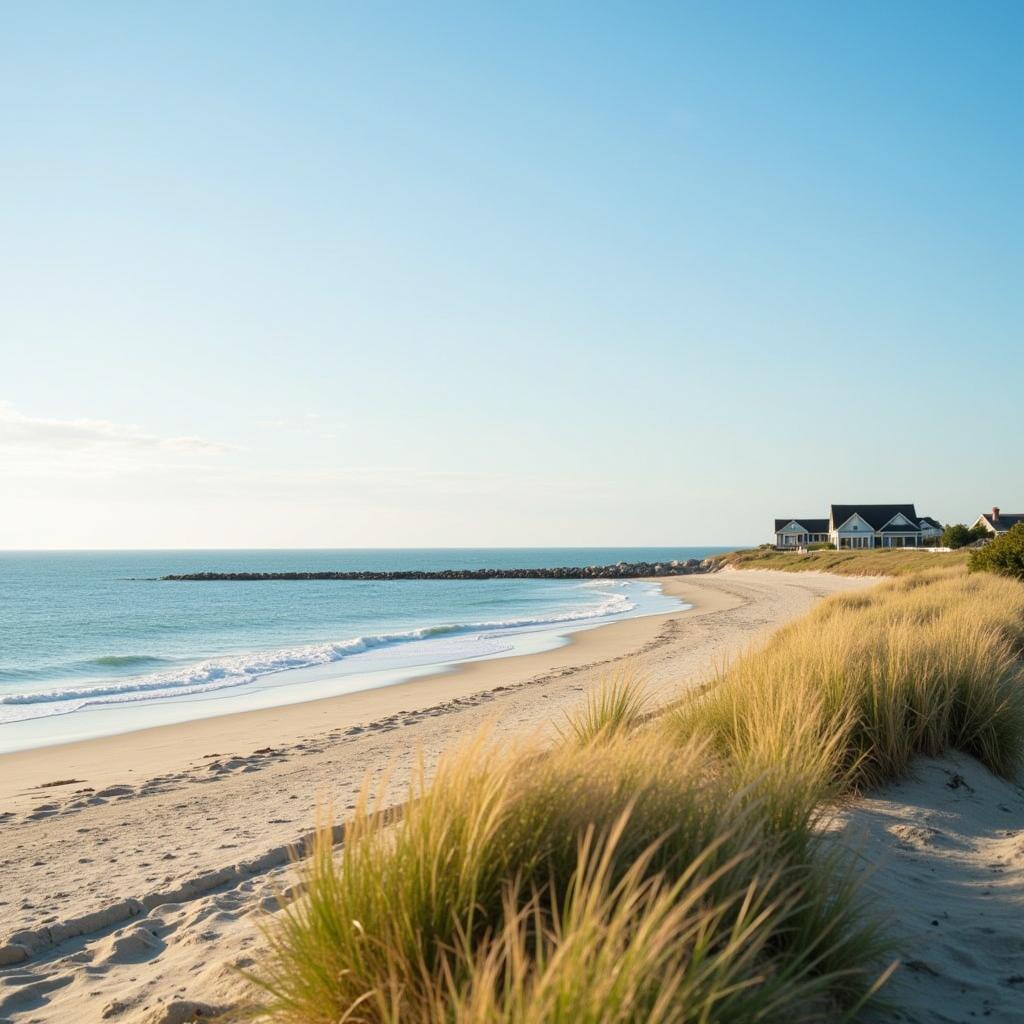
x: 100, y: 757
x: 150, y: 855
x: 360, y: 663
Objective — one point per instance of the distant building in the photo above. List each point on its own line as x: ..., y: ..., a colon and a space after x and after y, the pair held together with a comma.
x: 997, y: 522
x: 860, y: 526
x: 800, y: 532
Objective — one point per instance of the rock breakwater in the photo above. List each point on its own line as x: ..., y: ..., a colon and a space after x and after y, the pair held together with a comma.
x: 621, y: 570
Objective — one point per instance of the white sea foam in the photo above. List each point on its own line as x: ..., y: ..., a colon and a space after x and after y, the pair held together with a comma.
x: 481, y: 638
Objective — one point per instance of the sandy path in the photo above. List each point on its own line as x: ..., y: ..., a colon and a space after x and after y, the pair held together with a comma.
x: 130, y: 891
x: 947, y: 846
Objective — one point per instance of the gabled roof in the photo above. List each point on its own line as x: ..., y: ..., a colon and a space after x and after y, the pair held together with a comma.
x: 876, y: 516
x: 932, y: 522
x: 900, y: 528
x: 1006, y: 520
x: 810, y: 525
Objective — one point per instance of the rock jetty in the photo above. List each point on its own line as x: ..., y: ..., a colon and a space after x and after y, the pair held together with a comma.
x: 621, y: 570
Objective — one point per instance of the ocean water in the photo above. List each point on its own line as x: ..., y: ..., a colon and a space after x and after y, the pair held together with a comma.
x: 92, y: 644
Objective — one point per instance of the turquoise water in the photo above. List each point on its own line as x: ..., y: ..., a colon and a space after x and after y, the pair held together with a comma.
x: 90, y: 643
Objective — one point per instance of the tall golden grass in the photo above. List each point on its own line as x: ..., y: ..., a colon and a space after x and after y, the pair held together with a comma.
x: 914, y: 666
x: 515, y: 877
x: 873, y: 562
x: 658, y: 870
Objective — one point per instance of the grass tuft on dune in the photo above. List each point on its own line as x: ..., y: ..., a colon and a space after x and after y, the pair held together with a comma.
x: 619, y: 704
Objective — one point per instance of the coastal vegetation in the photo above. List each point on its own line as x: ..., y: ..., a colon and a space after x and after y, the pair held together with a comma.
x: 871, y: 562
x: 618, y: 706
x: 959, y: 535
x: 667, y: 867
x: 1003, y: 556
x: 918, y: 665
x: 622, y: 879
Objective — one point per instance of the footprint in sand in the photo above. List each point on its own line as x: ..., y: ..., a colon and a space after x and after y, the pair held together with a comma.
x: 917, y: 837
x: 111, y: 791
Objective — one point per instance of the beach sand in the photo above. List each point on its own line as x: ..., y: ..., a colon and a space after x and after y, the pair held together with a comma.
x: 947, y: 846
x: 133, y: 888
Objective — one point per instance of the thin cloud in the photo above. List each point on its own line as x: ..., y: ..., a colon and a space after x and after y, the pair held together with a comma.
x: 18, y: 430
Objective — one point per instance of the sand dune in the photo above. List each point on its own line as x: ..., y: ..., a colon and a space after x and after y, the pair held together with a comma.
x: 134, y: 882
x: 947, y: 846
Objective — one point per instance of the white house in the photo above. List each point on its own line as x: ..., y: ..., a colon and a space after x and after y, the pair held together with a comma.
x: 860, y: 526
x: 931, y: 530
x: 997, y: 522
x: 798, y: 533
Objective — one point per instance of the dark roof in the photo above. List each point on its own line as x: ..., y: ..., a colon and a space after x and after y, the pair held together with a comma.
x: 932, y: 522
x: 1006, y: 519
x: 810, y: 525
x: 900, y: 528
x: 875, y: 515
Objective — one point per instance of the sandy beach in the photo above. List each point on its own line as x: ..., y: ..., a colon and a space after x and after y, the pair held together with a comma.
x: 136, y: 867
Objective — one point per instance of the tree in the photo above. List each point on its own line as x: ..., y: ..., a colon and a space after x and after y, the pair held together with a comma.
x: 956, y: 535
x: 1003, y: 556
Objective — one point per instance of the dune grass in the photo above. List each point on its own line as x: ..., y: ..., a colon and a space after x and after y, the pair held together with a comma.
x: 875, y: 562
x: 658, y: 869
x: 915, y: 666
x: 515, y: 877
x: 616, y: 706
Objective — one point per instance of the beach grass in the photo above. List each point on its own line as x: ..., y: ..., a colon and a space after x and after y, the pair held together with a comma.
x: 515, y: 878
x: 874, y: 562
x: 919, y: 665
x: 619, y: 704
x: 668, y: 867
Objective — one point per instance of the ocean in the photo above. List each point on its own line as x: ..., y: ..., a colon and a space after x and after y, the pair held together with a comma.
x: 92, y: 644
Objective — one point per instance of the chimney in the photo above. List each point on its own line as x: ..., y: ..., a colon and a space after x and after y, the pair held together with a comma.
x: 995, y: 513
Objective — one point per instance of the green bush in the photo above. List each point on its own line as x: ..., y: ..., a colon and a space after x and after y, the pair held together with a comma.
x: 956, y: 535
x: 1003, y: 556
x: 823, y: 545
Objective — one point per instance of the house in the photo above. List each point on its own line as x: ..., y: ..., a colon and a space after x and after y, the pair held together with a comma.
x: 997, y: 522
x: 860, y: 526
x: 931, y: 529
x: 798, y: 533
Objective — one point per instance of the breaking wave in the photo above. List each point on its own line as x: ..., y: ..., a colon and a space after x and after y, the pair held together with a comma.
x: 237, y: 670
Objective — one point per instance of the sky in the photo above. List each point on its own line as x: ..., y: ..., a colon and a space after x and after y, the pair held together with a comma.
x: 386, y: 275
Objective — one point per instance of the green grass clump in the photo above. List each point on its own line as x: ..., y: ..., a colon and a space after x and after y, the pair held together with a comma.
x: 484, y: 901
x: 618, y: 705
x: 635, y: 948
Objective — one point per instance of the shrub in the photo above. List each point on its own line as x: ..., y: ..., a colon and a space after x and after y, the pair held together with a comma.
x: 1003, y: 556
x: 956, y: 535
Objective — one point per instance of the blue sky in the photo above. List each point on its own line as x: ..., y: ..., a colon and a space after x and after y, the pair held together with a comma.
x: 344, y: 275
